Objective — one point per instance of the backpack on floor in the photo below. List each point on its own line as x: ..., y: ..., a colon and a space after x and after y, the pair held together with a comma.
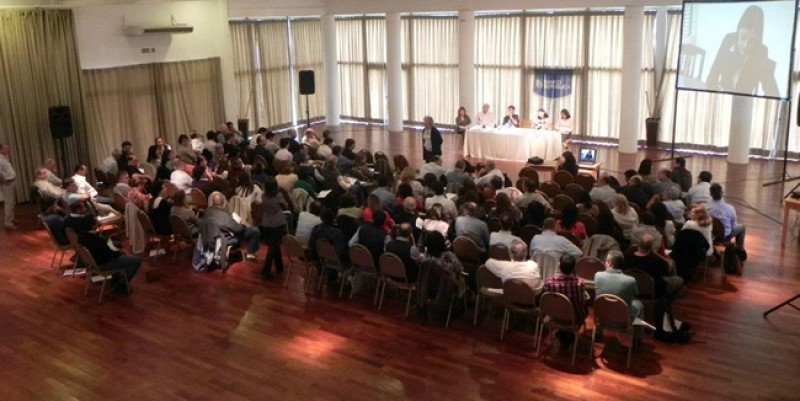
x: 734, y: 259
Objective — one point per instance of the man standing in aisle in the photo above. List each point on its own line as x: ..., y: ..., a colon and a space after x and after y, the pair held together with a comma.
x: 431, y: 140
x: 486, y: 118
x: 7, y: 178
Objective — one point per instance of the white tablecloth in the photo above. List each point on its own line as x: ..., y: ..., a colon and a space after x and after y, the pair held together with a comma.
x: 512, y: 143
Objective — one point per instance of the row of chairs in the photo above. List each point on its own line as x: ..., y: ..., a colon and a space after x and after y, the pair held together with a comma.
x: 561, y: 178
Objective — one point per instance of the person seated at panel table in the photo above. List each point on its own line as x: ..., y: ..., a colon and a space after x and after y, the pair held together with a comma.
x: 511, y: 119
x: 462, y: 120
x: 542, y: 120
x: 486, y: 118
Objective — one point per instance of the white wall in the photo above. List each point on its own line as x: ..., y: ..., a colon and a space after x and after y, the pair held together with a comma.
x: 102, y: 42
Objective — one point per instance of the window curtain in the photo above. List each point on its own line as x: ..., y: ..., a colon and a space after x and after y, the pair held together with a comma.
x: 272, y: 42
x: 138, y: 103
x: 604, y: 75
x: 375, y: 46
x: 38, y: 69
x: 498, y: 63
x: 307, y: 46
x: 362, y: 67
x: 244, y: 67
x: 554, y: 42
x: 430, y: 67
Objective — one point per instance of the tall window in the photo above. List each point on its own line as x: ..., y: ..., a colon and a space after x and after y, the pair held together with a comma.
x: 267, y: 56
x: 362, y: 66
x: 430, y: 68
x: 498, y: 63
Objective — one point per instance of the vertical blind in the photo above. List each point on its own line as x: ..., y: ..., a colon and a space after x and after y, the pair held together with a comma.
x: 361, y: 44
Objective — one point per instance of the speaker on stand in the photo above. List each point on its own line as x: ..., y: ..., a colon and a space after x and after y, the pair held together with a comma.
x: 61, y: 128
x: 307, y: 88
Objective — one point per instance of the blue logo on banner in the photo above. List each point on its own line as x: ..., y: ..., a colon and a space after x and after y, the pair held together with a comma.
x: 553, y: 83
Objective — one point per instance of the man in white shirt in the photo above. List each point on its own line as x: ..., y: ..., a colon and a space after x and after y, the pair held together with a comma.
x: 180, y: 178
x: 552, y: 243
x: 504, y: 236
x: 603, y: 192
x: 83, y: 185
x: 491, y: 171
x: 486, y: 118
x: 434, y: 167
x: 699, y: 193
x: 325, y: 150
x: 448, y: 206
x: 7, y: 179
x: 52, y: 169
x: 519, y: 267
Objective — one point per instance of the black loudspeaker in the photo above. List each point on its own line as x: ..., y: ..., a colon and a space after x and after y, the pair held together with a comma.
x: 60, y: 122
x: 243, y: 125
x: 306, y: 82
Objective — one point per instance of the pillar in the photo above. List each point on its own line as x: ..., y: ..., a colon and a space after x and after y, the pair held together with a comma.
x: 331, y: 72
x: 630, y: 124
x: 394, y: 72
x: 741, y: 119
x: 466, y: 61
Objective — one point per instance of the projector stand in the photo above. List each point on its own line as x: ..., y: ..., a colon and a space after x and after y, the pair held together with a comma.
x: 785, y: 177
x: 785, y: 303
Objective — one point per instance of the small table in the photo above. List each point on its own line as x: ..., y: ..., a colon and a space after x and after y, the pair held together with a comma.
x: 592, y: 169
x: 788, y: 204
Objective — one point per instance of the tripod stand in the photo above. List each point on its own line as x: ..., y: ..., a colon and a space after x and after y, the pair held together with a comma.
x: 785, y: 303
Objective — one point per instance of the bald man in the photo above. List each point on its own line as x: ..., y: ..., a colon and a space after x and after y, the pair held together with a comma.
x: 219, y: 218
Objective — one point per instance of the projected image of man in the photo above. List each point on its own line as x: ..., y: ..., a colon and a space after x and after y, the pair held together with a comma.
x: 742, y: 64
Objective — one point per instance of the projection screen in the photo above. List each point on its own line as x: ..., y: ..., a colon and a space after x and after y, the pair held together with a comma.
x: 737, y: 47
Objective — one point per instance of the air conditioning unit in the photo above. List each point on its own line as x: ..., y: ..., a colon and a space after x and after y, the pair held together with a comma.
x: 174, y: 27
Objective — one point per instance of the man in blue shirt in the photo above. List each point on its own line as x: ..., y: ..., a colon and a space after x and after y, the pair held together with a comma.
x: 725, y: 213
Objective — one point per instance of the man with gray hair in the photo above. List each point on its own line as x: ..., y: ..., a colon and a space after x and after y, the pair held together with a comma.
x: 431, y: 140
x: 52, y: 169
x: 490, y: 171
x: 469, y: 225
x: 613, y: 281
x: 519, y: 267
x: 218, y: 221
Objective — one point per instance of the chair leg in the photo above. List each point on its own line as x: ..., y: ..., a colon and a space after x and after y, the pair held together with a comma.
x: 102, y: 290
x: 344, y: 281
x: 630, y: 348
x: 449, y: 311
x: 61, y: 259
x: 354, y: 284
x: 591, y: 345
x: 539, y: 342
x: 321, y: 279
x: 288, y: 273
x: 536, y: 333
x: 377, y: 290
x: 86, y: 287
x: 477, y: 308
x: 383, y: 292
x: 53, y: 262
x: 503, y: 324
x: 408, y: 305
x: 574, y: 348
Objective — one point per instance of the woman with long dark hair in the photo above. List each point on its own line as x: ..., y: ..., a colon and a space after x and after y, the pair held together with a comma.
x: 569, y: 222
x: 567, y: 162
x: 273, y: 226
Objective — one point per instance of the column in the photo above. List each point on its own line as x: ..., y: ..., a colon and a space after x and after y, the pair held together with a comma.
x: 466, y: 61
x: 630, y: 124
x: 225, y: 50
x: 741, y: 118
x: 394, y: 72
x: 332, y: 109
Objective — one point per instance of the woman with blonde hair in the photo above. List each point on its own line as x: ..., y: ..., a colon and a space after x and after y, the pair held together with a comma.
x: 624, y: 215
x: 700, y: 220
x: 409, y: 176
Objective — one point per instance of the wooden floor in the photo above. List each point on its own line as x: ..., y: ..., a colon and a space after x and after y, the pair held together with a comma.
x: 190, y: 336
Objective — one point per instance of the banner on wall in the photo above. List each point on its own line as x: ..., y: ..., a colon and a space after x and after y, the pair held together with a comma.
x: 553, y: 82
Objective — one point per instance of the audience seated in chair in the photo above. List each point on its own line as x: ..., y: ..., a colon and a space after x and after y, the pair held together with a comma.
x: 550, y: 242
x: 567, y: 283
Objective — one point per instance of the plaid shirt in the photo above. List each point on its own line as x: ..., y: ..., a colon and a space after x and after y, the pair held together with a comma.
x: 573, y: 288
